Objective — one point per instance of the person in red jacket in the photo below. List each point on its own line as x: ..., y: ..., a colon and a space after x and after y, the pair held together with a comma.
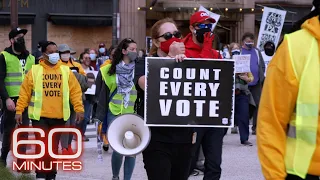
x: 198, y: 43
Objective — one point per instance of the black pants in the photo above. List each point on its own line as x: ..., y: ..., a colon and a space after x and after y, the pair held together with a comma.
x: 47, y: 124
x: 211, y: 140
x: 256, y: 93
x: 309, y: 177
x: 167, y: 161
x: 8, y: 125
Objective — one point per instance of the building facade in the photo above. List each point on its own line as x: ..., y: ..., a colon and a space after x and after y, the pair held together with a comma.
x: 237, y: 16
x: 78, y: 23
x: 86, y: 23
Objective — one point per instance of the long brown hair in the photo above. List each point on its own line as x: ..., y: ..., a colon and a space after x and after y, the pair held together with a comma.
x: 155, y: 33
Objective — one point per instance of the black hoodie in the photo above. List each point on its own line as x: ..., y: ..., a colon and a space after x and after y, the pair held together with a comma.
x: 3, y: 70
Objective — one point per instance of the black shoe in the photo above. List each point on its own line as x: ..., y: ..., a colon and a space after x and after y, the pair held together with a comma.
x: 194, y: 173
x: 84, y: 138
x: 247, y: 143
x: 200, y: 168
x: 254, y: 132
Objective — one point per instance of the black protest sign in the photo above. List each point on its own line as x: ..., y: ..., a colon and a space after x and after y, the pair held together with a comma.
x: 192, y: 93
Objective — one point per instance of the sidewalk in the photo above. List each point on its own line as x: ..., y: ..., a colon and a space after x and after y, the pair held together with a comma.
x: 239, y: 163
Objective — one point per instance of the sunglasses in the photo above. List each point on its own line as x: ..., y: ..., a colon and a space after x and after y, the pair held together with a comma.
x: 204, y: 26
x: 169, y: 35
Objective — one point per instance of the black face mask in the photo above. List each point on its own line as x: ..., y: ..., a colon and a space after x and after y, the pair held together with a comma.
x: 19, y: 45
x: 269, y: 51
x: 200, y: 34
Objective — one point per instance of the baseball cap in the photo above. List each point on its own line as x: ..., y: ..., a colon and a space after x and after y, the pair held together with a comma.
x: 14, y: 32
x: 199, y: 17
x: 63, y: 48
x: 45, y: 44
x: 40, y: 43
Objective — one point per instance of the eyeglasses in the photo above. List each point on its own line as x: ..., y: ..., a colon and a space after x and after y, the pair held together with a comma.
x: 169, y: 35
x: 204, y: 26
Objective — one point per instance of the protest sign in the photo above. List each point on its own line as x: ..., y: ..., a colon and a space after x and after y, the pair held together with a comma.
x: 193, y: 93
x: 271, y: 26
x: 242, y: 63
x: 92, y: 76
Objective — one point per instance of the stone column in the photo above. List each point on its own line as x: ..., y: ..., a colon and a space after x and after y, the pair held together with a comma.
x: 133, y: 21
x: 249, y: 19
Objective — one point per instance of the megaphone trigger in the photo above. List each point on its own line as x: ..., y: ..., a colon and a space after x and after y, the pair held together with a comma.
x: 128, y: 135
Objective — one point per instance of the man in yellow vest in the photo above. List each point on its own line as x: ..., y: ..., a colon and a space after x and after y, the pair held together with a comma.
x: 288, y: 121
x: 47, y: 91
x: 15, y: 61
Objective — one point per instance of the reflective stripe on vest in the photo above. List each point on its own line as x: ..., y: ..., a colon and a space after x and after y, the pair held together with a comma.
x: 15, y: 73
x: 35, y: 105
x: 116, y: 104
x: 302, y: 130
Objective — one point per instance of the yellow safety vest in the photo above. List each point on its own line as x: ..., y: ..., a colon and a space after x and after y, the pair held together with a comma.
x: 302, y: 131
x: 116, y: 106
x: 35, y: 105
x: 14, y: 72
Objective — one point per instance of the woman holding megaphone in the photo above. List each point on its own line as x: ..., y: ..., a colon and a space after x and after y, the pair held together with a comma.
x: 169, y: 154
x: 117, y: 94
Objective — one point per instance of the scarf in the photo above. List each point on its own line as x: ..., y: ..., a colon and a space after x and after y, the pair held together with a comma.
x: 124, y: 75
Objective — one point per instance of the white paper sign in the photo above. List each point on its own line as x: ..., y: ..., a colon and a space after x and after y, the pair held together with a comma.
x: 242, y: 63
x: 271, y: 26
x: 92, y: 76
x: 212, y: 15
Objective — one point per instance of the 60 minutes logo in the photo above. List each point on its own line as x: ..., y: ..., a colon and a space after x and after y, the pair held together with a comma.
x: 68, y: 162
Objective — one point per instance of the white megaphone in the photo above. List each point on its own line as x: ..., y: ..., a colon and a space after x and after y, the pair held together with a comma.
x: 128, y: 135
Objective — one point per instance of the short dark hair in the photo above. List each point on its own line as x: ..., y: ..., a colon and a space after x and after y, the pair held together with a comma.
x: 46, y: 44
x: 248, y: 35
x: 82, y: 54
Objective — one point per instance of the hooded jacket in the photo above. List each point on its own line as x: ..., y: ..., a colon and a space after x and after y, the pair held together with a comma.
x: 277, y: 104
x: 52, y: 103
x: 193, y: 50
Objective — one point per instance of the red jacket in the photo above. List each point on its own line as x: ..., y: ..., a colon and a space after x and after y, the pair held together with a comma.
x: 195, y: 51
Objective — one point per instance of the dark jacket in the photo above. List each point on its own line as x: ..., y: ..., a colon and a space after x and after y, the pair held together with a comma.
x: 3, y: 70
x: 102, y: 97
x: 257, y: 89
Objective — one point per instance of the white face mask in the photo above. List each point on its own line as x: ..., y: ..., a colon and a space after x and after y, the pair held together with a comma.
x: 65, y: 57
x: 54, y: 58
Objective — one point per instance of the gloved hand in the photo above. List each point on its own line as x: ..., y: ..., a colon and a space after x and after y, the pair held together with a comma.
x: 207, y: 51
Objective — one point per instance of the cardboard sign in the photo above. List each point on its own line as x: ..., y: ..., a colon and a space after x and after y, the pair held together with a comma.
x: 92, y: 76
x: 242, y: 63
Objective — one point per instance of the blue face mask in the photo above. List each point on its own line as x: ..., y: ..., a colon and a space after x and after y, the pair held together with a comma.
x: 102, y: 50
x: 93, y: 57
x: 249, y: 45
x: 235, y: 52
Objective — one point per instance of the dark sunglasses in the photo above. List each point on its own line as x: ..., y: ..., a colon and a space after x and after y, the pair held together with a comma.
x: 204, y: 26
x: 169, y: 35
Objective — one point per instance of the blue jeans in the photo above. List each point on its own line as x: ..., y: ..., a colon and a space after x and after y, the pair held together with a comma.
x: 116, y: 159
x: 87, y: 114
x: 242, y: 115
